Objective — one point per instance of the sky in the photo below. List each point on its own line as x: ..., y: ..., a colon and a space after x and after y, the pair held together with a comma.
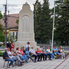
x: 14, y: 6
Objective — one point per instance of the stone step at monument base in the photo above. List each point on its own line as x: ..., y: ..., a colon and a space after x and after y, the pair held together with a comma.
x: 23, y: 44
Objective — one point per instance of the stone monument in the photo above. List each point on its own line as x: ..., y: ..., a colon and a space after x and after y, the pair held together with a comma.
x: 26, y: 27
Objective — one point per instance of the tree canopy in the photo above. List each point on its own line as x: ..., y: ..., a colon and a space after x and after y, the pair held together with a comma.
x: 62, y: 21
x: 42, y: 21
x: 2, y: 37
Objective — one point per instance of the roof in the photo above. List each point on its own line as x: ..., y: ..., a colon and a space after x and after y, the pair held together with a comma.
x: 11, y: 21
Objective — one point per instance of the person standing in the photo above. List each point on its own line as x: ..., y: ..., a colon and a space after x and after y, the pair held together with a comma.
x: 8, y: 45
x: 12, y: 45
x: 27, y: 48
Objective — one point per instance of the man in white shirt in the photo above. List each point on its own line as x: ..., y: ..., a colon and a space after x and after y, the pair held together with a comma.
x: 33, y: 53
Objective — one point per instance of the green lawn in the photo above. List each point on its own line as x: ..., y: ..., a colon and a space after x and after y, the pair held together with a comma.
x: 1, y: 53
x: 65, y: 52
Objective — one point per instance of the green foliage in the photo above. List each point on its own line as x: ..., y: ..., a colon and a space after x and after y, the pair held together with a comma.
x: 2, y: 36
x: 62, y: 22
x: 1, y: 53
x: 1, y: 16
x: 42, y: 21
x: 17, y: 21
x: 1, y: 27
x: 37, y: 20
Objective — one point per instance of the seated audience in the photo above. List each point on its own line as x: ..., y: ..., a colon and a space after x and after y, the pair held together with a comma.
x: 7, y: 58
x: 55, y: 51
x: 61, y: 50
x: 13, y: 55
x: 39, y: 54
x: 21, y: 54
x: 49, y: 52
x: 29, y: 57
x: 43, y: 53
x: 24, y: 50
x: 33, y: 53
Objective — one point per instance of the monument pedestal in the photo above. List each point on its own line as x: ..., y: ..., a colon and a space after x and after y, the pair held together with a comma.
x: 26, y: 27
x: 23, y: 43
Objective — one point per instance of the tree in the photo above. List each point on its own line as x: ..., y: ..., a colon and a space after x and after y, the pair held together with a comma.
x: 1, y: 16
x: 37, y: 19
x: 42, y: 21
x: 62, y: 22
x: 46, y: 22
x: 17, y: 21
x: 2, y: 37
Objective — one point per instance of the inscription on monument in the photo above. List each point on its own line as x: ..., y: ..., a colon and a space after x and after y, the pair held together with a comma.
x: 25, y: 23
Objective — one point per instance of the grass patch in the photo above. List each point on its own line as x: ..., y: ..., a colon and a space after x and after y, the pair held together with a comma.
x: 1, y: 53
x: 66, y: 53
x: 2, y: 50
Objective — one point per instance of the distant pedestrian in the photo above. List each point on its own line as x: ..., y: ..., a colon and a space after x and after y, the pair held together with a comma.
x: 12, y: 45
x: 8, y: 45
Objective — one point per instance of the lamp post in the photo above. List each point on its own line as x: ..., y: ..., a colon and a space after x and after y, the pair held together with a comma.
x: 6, y: 24
x: 53, y: 28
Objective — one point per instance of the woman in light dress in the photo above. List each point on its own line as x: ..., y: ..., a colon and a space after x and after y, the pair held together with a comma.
x: 61, y: 50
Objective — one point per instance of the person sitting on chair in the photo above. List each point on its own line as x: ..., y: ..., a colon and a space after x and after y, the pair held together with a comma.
x: 29, y: 57
x: 61, y: 50
x: 55, y: 51
x: 49, y: 52
x: 7, y: 58
x: 43, y: 53
x: 21, y: 54
x: 13, y: 55
x: 39, y: 54
x: 33, y: 53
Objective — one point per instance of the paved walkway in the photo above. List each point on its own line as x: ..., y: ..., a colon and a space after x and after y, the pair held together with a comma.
x: 54, y: 64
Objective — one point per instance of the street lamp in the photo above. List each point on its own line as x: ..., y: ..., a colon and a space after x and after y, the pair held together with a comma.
x: 6, y: 24
x: 53, y: 28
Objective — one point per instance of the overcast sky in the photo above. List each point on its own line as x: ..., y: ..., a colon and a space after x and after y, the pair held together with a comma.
x: 14, y: 6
